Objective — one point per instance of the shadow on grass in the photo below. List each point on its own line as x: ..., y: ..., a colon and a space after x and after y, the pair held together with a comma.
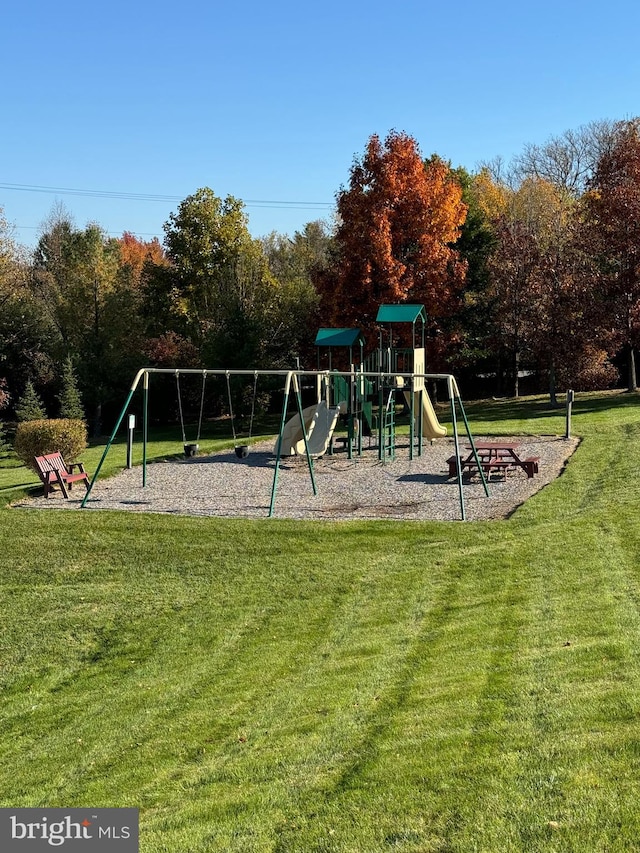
x: 532, y: 408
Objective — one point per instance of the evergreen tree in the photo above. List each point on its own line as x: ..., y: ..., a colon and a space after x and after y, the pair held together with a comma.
x: 70, y: 399
x: 30, y: 407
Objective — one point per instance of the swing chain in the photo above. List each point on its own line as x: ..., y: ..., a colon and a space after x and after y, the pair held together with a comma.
x: 184, y: 437
x: 253, y: 407
x: 233, y: 428
x: 204, y: 381
x: 253, y: 403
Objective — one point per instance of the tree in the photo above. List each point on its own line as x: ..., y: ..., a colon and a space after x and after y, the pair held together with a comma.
x: 30, y: 406
x: 296, y: 264
x: 70, y: 399
x: 398, y: 221
x: 4, y: 402
x: 568, y: 161
x: 76, y: 278
x: 612, y: 231
x: 23, y: 328
x: 477, y: 239
x: 540, y: 291
x: 219, y: 291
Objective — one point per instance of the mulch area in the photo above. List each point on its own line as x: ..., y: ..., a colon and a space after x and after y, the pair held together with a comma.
x: 415, y: 489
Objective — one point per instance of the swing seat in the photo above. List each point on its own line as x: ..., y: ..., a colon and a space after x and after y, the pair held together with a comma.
x: 191, y: 449
x: 242, y: 451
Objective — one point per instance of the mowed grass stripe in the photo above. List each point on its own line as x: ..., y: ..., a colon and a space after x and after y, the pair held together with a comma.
x: 274, y: 686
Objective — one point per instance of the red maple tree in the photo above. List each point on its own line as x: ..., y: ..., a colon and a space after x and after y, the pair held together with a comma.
x: 399, y: 219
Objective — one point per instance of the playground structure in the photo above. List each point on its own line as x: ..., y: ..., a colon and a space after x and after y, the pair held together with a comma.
x: 364, y: 396
x: 381, y: 377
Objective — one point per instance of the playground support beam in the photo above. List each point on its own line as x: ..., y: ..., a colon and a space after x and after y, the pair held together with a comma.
x: 293, y: 376
x: 144, y: 374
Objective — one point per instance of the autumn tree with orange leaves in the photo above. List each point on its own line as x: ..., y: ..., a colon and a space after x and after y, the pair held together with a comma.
x: 612, y: 234
x: 398, y: 221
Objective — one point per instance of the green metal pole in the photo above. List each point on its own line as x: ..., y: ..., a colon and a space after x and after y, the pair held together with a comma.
x: 283, y: 419
x: 472, y: 442
x: 285, y: 404
x: 421, y: 421
x: 296, y: 388
x: 145, y: 427
x: 111, y: 439
x: 457, y: 452
x: 412, y: 414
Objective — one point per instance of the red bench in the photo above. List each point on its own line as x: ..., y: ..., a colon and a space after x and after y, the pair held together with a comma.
x: 53, y: 470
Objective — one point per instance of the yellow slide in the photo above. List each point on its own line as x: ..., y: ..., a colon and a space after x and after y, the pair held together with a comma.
x: 319, y: 423
x: 431, y: 426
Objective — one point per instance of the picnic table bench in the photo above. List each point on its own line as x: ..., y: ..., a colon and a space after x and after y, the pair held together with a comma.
x: 494, y: 456
x: 53, y: 470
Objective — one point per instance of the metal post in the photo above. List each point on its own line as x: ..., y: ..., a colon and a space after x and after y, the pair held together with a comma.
x: 296, y: 390
x: 132, y: 426
x: 283, y: 419
x: 454, y: 386
x: 412, y: 414
x: 112, y: 437
x: 456, y: 445
x: 287, y: 385
x: 145, y: 427
x: 570, y: 397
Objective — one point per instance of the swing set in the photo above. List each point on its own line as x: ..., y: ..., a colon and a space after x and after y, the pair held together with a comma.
x: 291, y: 385
x: 192, y: 448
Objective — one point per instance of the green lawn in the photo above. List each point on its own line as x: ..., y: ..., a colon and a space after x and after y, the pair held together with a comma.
x: 362, y: 686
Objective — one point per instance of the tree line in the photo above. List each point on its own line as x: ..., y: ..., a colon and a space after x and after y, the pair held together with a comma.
x: 528, y: 270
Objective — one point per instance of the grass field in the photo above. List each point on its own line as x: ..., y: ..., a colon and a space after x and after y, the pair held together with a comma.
x: 362, y: 686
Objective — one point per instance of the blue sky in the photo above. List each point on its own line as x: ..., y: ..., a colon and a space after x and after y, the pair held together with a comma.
x: 270, y: 102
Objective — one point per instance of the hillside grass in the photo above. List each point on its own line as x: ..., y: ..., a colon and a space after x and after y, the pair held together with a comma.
x: 286, y: 686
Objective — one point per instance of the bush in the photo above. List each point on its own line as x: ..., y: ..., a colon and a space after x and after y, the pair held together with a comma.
x: 34, y: 438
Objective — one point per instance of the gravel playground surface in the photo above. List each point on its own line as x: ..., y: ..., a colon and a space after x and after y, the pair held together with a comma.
x: 347, y: 489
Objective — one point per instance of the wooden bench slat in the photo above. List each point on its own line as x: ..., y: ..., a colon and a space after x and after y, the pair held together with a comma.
x: 52, y: 469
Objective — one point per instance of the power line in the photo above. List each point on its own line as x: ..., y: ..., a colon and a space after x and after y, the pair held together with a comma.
x: 127, y: 196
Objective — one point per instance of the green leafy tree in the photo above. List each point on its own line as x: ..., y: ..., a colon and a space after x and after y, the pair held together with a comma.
x: 222, y: 295
x: 472, y: 325
x: 30, y: 406
x: 296, y: 263
x: 24, y: 328
x: 79, y: 280
x: 70, y: 399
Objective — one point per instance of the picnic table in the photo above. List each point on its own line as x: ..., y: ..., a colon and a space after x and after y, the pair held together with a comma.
x: 494, y: 456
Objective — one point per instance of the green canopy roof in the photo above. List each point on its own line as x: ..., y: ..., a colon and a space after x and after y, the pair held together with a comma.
x: 338, y: 337
x: 400, y: 313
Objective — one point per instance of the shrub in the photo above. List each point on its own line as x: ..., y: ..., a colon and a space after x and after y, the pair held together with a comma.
x: 30, y: 407
x: 34, y: 438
